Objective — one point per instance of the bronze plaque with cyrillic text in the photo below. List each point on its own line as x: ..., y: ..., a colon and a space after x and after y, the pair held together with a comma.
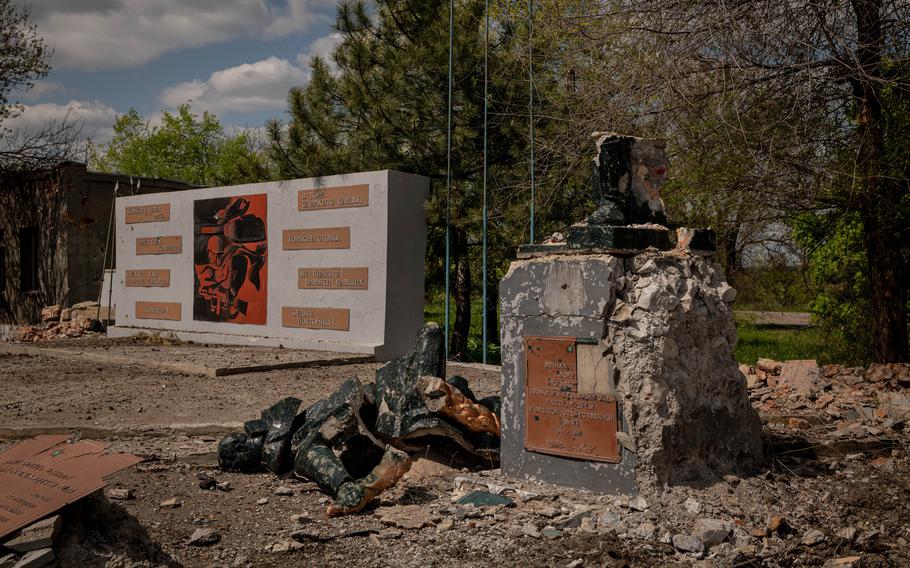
x: 337, y: 319
x: 332, y: 278
x: 560, y: 420
x: 43, y: 474
x: 148, y: 278
x: 333, y: 197
x: 159, y: 245
x: 158, y: 310
x: 148, y: 213
x: 313, y: 239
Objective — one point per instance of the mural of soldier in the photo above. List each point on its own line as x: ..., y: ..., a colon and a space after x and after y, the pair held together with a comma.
x: 230, y: 259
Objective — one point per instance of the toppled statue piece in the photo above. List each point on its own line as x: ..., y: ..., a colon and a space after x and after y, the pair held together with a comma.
x: 444, y: 399
x: 354, y: 444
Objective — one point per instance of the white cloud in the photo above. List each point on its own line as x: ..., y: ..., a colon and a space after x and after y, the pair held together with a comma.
x: 107, y: 34
x: 95, y: 118
x: 321, y: 47
x: 41, y: 89
x: 262, y: 85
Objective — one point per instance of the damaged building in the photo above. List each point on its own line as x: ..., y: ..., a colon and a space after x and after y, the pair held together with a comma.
x: 53, y: 228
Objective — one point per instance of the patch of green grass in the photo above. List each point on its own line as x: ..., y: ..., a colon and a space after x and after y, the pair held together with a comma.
x: 434, y: 310
x: 780, y: 343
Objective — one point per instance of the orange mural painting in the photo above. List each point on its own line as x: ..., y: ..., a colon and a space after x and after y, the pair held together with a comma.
x: 230, y: 253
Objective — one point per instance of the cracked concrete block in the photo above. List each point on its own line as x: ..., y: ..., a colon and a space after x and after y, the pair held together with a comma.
x: 663, y: 331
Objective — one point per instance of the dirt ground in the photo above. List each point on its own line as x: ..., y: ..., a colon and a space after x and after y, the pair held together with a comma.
x: 855, y: 492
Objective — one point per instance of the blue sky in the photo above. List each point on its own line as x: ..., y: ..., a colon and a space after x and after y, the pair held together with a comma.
x: 235, y: 58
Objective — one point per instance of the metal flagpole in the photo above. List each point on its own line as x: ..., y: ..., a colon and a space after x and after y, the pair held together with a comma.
x: 486, y: 47
x: 531, y: 103
x: 449, y: 170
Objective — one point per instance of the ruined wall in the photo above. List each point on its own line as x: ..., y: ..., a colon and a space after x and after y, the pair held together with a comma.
x: 33, y: 199
x: 665, y: 326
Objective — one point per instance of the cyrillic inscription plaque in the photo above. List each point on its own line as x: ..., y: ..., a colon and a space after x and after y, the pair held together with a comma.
x: 333, y: 197
x: 159, y: 245
x: 332, y: 278
x: 148, y: 213
x: 560, y: 420
x: 158, y: 310
x: 310, y: 239
x: 148, y: 278
x: 337, y: 319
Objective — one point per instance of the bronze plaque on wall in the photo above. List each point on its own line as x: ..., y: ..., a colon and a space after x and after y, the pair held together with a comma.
x: 337, y: 319
x: 560, y: 420
x: 333, y: 278
x: 158, y: 310
x: 311, y: 239
x: 148, y: 213
x: 159, y: 245
x: 333, y: 197
x: 148, y: 278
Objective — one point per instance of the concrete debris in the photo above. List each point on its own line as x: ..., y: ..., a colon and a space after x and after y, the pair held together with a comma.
x: 639, y: 503
x: 42, y: 534
x: 688, y: 543
x: 171, y: 503
x: 813, y: 537
x: 61, y: 323
x: 713, y: 531
x: 405, y: 516
x: 121, y: 494
x: 204, y: 537
x: 36, y: 558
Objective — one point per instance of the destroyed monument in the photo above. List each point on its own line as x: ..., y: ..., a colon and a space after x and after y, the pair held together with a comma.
x: 618, y: 372
x: 358, y: 441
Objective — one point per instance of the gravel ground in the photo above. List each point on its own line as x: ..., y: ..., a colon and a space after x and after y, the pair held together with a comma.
x: 832, y: 505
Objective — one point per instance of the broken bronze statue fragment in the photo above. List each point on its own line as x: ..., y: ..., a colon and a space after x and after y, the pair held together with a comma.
x: 354, y: 443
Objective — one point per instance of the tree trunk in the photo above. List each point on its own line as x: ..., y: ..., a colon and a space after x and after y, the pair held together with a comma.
x: 458, y: 349
x: 882, y: 196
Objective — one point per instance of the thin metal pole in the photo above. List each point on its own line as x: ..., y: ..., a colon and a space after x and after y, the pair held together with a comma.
x: 449, y: 169
x: 486, y: 43
x: 531, y: 103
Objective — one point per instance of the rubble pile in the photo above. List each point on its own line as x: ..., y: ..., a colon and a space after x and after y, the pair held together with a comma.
x: 358, y: 442
x: 58, y: 322
x: 831, y: 401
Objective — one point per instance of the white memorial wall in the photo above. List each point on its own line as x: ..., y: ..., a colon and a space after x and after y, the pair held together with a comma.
x: 333, y: 263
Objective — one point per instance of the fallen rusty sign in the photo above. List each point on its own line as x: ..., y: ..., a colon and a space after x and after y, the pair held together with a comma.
x: 561, y: 420
x: 43, y: 474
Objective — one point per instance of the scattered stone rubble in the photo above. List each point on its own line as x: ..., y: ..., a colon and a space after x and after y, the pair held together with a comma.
x: 356, y: 443
x: 836, y: 402
x: 58, y: 322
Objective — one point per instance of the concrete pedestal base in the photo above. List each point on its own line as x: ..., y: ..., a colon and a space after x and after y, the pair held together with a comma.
x: 664, y: 336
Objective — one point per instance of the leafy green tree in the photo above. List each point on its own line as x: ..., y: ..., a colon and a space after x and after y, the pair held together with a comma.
x: 186, y: 146
x: 771, y: 110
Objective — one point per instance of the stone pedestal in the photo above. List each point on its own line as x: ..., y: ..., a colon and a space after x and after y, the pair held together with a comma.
x: 632, y: 380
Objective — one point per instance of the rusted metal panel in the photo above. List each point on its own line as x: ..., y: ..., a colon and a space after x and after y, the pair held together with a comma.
x: 334, y: 197
x: 160, y: 278
x: 314, y: 239
x: 338, y: 319
x: 333, y: 278
x: 159, y: 245
x: 560, y: 420
x: 43, y: 474
x: 169, y: 311
x: 148, y: 213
